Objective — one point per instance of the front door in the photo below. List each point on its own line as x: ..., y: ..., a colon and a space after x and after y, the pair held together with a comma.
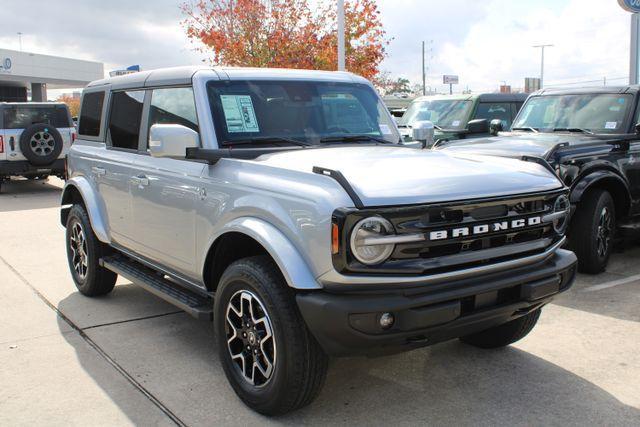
x: 165, y: 190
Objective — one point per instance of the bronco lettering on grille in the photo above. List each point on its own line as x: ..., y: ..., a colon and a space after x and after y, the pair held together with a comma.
x: 485, y: 228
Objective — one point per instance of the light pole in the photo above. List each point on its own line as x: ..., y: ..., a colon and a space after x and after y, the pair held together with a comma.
x: 20, y: 40
x: 542, y: 46
x: 341, y: 54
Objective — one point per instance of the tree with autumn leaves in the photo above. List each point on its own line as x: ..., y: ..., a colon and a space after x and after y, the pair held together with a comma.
x: 287, y: 33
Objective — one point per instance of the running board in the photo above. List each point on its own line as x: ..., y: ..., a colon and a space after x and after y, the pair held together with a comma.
x: 198, y: 306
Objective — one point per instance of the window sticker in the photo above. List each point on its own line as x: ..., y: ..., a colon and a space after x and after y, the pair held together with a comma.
x: 621, y: 100
x: 455, y: 123
x: 385, y: 129
x: 239, y: 113
x: 611, y: 125
x: 615, y: 108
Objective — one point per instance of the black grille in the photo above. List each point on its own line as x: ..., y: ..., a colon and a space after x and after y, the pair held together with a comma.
x: 459, y: 250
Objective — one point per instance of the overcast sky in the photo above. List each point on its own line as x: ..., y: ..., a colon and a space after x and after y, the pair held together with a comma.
x: 484, y: 42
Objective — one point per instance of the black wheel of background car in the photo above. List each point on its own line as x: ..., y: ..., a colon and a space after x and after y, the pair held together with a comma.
x: 592, y: 231
x: 41, y: 144
x: 83, y: 252
x: 269, y: 356
x: 505, y: 334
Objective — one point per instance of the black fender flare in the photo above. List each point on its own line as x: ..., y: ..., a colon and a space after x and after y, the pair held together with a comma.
x: 591, y: 178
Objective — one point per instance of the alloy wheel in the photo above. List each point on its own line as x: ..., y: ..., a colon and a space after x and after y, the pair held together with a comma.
x: 42, y: 143
x: 78, y: 246
x: 603, y: 232
x: 250, y: 338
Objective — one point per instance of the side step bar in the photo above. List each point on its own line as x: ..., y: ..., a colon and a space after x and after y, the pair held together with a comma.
x: 198, y: 306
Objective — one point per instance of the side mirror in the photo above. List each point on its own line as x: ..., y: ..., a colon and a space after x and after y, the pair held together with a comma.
x: 636, y: 128
x: 478, y: 126
x: 423, y: 131
x: 171, y: 140
x: 495, y: 127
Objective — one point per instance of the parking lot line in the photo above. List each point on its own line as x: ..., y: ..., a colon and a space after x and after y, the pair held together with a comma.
x: 612, y: 283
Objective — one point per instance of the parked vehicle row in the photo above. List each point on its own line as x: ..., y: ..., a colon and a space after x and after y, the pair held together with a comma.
x: 461, y: 116
x: 280, y: 205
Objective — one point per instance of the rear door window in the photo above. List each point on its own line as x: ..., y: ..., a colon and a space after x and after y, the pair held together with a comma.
x: 124, y: 119
x: 91, y: 114
x: 21, y: 117
x: 495, y: 110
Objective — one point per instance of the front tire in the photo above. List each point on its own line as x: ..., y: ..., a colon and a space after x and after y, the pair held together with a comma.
x: 505, y: 334
x: 257, y: 324
x: 592, y: 231
x: 84, y: 251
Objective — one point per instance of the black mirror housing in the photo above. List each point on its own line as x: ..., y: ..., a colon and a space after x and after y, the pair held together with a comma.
x: 636, y: 128
x: 495, y: 126
x: 478, y: 126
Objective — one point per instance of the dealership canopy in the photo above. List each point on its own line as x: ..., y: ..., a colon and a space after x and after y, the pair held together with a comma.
x: 23, y: 71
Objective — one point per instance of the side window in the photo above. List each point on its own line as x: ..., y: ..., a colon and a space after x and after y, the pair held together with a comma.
x: 124, y: 119
x: 174, y: 106
x: 91, y: 114
x: 495, y: 110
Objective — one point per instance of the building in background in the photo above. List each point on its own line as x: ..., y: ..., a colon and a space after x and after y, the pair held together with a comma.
x: 22, y: 73
x: 531, y: 84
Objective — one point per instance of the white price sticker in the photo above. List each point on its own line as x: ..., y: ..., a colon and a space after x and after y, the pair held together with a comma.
x: 385, y: 129
x: 239, y: 113
x: 611, y: 125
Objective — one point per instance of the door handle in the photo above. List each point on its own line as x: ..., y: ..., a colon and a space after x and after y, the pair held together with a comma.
x: 98, y: 171
x: 140, y: 181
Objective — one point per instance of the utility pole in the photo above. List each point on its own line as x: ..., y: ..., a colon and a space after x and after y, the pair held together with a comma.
x: 20, y: 40
x: 424, y: 73
x: 633, y: 57
x: 542, y: 46
x: 424, y: 66
x: 341, y: 53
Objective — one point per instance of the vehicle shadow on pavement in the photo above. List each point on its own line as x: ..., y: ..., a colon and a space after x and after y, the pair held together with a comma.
x: 28, y: 194
x: 174, y: 358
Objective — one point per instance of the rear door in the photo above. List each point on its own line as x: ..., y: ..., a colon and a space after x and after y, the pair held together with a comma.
x: 113, y: 169
x: 165, y: 190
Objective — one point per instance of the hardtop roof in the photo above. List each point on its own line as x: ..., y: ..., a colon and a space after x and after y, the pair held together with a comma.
x: 185, y: 75
x: 482, y: 97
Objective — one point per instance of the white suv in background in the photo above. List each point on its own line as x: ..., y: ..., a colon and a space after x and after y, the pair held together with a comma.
x: 34, y: 139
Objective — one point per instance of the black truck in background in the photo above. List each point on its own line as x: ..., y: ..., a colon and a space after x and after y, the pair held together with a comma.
x: 591, y: 138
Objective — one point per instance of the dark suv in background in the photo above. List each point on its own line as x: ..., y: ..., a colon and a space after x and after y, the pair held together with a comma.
x: 34, y: 139
x: 590, y: 137
x: 461, y: 116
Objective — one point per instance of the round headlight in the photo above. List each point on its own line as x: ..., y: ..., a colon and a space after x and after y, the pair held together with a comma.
x: 561, y: 206
x: 365, y: 243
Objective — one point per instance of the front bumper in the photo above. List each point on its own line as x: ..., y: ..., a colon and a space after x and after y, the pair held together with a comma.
x: 348, y: 323
x: 24, y: 168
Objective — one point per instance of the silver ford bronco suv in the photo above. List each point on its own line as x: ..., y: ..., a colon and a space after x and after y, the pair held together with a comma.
x: 280, y: 204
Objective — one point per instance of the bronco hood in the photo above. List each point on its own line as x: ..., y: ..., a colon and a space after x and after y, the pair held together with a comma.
x: 392, y: 175
x: 515, y: 144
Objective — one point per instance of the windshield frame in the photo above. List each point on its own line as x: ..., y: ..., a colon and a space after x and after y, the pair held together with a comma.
x: 470, y: 109
x: 624, y: 127
x: 216, y: 112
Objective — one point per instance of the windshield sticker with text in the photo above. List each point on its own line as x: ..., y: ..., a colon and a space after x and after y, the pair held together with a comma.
x: 239, y: 113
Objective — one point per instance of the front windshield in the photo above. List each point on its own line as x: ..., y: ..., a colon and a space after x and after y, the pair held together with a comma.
x: 304, y: 112
x: 597, y: 113
x: 445, y: 113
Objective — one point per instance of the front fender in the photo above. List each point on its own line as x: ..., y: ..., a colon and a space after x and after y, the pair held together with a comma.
x: 292, y: 265
x: 585, y: 182
x: 94, y: 207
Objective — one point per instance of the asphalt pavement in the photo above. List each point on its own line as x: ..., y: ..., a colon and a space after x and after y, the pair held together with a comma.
x: 131, y: 359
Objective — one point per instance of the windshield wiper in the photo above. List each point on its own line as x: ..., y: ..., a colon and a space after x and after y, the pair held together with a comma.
x: 353, y: 138
x: 527, y: 128
x: 267, y: 140
x: 573, y: 130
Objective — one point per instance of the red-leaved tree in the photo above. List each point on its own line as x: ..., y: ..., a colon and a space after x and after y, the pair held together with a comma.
x: 286, y: 33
